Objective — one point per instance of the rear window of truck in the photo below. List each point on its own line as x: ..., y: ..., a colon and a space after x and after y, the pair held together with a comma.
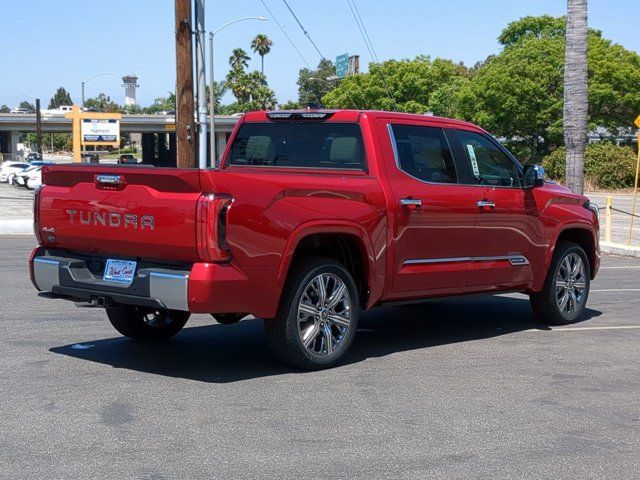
x: 298, y: 145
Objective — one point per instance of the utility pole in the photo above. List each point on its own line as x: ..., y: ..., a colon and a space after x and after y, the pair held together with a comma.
x: 38, y: 129
x: 202, y: 85
x: 185, y: 128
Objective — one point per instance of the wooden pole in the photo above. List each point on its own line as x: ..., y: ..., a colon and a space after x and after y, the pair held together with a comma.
x: 185, y: 111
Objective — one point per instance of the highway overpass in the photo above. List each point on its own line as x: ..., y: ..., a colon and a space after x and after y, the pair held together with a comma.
x: 157, y: 132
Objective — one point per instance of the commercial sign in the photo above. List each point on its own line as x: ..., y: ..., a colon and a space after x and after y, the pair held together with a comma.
x: 100, y: 131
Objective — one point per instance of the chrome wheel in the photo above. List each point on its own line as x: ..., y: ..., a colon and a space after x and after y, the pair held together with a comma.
x: 324, y: 314
x: 571, y: 284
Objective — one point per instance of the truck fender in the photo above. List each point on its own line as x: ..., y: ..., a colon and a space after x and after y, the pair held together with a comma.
x: 333, y: 226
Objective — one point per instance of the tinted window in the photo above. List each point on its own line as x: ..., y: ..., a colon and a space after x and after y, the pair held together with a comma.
x: 488, y: 165
x: 311, y: 145
x: 423, y: 153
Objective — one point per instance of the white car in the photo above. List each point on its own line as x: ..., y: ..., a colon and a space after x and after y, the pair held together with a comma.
x: 34, y: 179
x: 7, y: 168
x: 20, y: 179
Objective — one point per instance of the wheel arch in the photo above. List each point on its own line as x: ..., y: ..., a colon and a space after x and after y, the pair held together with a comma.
x: 346, y: 242
x: 585, y: 237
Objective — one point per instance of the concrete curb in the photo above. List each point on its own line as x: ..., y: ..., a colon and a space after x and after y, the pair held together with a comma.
x: 16, y: 227
x: 619, y: 249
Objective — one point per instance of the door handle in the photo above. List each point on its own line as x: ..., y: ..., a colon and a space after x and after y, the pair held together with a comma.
x: 410, y: 202
x: 486, y: 204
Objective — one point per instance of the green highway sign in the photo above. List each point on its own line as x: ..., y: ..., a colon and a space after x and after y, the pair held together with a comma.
x: 342, y: 65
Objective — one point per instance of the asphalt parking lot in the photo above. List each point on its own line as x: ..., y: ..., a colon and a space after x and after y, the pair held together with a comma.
x: 467, y: 388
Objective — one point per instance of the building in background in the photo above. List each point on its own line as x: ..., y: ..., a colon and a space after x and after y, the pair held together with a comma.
x: 130, y: 83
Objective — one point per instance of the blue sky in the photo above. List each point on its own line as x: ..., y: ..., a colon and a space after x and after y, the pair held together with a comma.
x: 48, y: 43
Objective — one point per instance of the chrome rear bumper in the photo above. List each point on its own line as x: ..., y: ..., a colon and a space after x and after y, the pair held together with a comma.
x: 71, y: 279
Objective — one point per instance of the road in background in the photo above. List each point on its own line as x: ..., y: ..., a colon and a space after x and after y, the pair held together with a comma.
x: 464, y: 388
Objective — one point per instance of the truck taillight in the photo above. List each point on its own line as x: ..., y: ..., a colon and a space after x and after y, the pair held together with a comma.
x: 211, y: 227
x: 36, y: 214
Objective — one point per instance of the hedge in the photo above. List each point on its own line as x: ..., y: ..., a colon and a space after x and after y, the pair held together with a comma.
x: 606, y: 165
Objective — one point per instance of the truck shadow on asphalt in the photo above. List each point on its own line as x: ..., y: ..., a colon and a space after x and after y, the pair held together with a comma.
x: 221, y: 354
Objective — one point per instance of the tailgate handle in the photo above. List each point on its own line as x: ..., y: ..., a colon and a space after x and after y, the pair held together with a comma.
x: 110, y: 181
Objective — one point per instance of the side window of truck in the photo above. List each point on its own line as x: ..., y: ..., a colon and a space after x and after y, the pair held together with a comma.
x: 299, y: 145
x: 423, y: 153
x: 485, y: 162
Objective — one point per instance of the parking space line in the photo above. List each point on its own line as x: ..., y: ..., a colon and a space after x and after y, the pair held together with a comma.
x: 568, y: 329
x: 615, y: 290
x: 619, y: 268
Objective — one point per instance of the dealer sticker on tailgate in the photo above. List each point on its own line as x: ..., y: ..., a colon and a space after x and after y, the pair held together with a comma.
x: 119, y: 271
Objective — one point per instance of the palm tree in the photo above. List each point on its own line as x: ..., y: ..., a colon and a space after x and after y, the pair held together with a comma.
x: 261, y: 45
x: 576, y: 100
x: 239, y: 60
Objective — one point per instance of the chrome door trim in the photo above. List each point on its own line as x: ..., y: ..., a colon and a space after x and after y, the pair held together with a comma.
x: 515, y: 260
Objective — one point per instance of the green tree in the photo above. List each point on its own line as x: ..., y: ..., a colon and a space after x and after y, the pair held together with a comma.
x: 261, y: 45
x: 4, y: 109
x: 518, y: 94
x: 414, y: 86
x: 103, y: 103
x: 219, y: 89
x: 162, y: 104
x: 239, y: 60
x: 27, y: 105
x: 61, y: 97
x: 315, y: 84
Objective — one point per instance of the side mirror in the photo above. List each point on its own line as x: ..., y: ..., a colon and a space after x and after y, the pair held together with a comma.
x: 533, y: 176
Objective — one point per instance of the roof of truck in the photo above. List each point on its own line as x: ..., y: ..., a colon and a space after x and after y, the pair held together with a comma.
x: 354, y: 115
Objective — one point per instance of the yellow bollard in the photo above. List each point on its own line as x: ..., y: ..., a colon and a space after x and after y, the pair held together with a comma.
x: 607, y: 219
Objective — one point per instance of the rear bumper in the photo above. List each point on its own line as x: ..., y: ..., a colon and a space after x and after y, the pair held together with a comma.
x: 197, y: 288
x: 72, y: 279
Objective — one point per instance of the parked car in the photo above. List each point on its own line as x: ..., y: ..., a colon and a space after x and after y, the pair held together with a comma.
x: 312, y: 217
x: 10, y: 168
x: 20, y: 178
x: 127, y: 159
x: 90, y: 158
x: 33, y: 156
x: 21, y: 110
x: 34, y: 179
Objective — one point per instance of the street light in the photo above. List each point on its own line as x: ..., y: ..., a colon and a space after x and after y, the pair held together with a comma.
x: 95, y: 76
x: 212, y: 102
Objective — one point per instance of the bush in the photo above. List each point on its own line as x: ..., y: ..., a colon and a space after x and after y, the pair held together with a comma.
x: 606, y: 166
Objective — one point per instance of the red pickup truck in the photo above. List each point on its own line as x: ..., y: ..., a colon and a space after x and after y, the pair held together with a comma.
x: 312, y: 217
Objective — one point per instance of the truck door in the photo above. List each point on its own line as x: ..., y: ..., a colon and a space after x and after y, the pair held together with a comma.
x: 510, y: 235
x: 434, y: 216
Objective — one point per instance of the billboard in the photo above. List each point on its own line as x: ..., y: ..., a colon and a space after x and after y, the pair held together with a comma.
x: 101, y: 131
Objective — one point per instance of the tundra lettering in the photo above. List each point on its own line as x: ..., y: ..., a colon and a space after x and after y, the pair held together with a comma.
x: 312, y: 217
x: 128, y: 220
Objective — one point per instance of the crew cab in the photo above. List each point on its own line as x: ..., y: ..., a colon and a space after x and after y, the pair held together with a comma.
x: 312, y: 217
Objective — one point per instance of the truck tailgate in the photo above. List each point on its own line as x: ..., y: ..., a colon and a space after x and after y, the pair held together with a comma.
x: 122, y: 211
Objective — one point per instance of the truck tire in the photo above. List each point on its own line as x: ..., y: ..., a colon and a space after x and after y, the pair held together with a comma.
x: 146, y: 324
x: 318, y: 315
x: 566, y: 289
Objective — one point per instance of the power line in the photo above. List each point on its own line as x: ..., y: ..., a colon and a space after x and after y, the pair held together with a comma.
x: 369, y: 45
x: 304, y: 31
x: 375, y: 55
x: 275, y: 19
x: 364, y: 37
